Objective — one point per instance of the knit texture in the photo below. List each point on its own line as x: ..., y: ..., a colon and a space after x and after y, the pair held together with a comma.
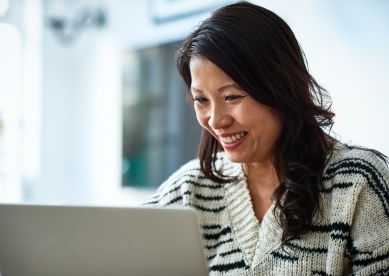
x: 351, y: 237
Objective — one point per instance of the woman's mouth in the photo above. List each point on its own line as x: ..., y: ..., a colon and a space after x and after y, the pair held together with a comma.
x: 233, y: 138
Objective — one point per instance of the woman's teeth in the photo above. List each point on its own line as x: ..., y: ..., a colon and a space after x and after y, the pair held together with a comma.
x: 233, y: 138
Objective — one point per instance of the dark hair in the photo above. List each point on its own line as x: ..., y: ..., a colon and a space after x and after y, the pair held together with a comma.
x: 259, y: 51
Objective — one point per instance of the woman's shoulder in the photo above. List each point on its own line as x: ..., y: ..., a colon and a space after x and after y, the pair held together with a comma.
x: 169, y: 192
x: 187, y: 178
x: 192, y: 169
x: 350, y: 155
x: 347, y: 160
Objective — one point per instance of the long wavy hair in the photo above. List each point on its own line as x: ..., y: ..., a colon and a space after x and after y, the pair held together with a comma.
x: 259, y: 51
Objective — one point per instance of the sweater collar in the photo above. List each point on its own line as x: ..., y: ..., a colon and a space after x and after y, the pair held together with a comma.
x: 255, y: 239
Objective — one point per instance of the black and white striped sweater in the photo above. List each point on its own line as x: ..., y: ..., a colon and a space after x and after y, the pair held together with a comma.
x: 352, y: 237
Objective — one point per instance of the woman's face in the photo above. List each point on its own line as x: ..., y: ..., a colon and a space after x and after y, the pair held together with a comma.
x: 247, y: 129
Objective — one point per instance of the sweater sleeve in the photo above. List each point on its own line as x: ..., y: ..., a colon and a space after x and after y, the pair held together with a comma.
x: 368, y: 245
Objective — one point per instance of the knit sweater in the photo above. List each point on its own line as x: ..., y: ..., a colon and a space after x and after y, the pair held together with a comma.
x: 351, y: 238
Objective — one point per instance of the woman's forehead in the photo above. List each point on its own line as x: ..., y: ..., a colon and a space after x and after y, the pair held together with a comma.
x: 205, y: 73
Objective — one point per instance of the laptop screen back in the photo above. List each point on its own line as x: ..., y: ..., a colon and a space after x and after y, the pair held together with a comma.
x: 74, y: 240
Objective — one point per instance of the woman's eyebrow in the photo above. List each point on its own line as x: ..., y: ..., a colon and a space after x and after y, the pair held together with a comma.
x: 233, y: 85
x: 220, y: 89
x: 194, y: 89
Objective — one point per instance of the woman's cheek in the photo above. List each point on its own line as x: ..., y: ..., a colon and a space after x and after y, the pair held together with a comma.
x: 201, y: 119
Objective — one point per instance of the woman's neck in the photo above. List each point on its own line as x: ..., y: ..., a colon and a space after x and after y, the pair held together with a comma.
x: 264, y: 176
x: 261, y: 183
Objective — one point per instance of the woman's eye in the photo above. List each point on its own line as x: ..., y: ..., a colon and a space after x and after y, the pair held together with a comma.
x: 232, y: 98
x: 199, y: 99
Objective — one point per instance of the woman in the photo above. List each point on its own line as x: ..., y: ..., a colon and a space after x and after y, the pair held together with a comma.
x: 276, y: 194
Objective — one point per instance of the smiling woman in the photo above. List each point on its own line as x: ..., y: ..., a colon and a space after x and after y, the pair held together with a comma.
x: 275, y: 192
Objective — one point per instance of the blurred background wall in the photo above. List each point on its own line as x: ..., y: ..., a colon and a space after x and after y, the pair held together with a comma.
x: 92, y: 110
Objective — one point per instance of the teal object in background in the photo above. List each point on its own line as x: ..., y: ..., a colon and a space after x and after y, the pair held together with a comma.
x: 160, y: 130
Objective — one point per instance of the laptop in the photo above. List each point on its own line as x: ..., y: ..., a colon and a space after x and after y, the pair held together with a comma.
x: 80, y: 240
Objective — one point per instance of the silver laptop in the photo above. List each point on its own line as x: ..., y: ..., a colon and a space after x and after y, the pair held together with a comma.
x: 74, y: 240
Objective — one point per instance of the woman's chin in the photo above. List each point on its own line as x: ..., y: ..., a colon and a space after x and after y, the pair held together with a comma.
x: 235, y: 158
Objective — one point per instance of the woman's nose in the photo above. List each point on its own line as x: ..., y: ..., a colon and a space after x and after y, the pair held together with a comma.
x: 219, y: 118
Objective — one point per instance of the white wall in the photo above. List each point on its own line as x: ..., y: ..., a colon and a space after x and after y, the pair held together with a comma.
x: 10, y: 113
